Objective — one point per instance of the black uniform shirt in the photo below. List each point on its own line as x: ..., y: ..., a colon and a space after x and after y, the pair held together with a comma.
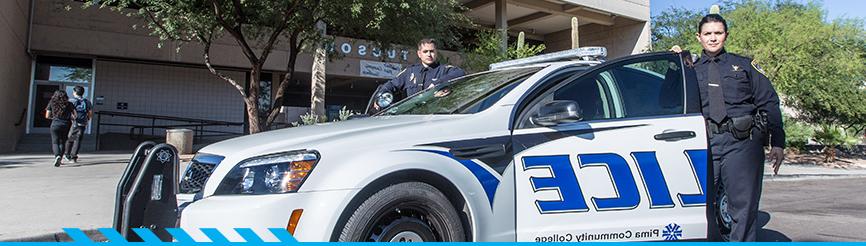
x: 746, y: 90
x: 417, y: 77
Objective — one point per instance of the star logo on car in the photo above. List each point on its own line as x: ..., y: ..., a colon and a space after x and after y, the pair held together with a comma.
x: 163, y: 156
x: 672, y: 232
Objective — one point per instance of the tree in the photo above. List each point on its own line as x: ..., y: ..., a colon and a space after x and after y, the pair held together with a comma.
x: 258, y: 26
x: 487, y: 51
x: 818, y: 66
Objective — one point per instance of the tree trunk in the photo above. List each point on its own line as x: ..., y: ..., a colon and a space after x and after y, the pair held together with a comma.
x: 254, y: 115
x: 317, y: 90
x: 830, y: 153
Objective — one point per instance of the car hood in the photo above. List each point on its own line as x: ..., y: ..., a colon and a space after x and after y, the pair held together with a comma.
x: 306, y: 137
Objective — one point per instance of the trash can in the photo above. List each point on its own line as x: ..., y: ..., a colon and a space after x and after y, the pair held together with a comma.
x: 180, y: 139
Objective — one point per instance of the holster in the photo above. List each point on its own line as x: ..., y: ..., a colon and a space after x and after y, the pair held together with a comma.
x: 741, y: 127
x: 762, y: 121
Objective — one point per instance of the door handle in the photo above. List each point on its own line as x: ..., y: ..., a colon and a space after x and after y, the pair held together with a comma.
x: 675, y: 136
x: 479, y: 152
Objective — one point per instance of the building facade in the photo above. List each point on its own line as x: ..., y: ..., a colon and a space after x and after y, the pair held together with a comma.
x: 134, y: 81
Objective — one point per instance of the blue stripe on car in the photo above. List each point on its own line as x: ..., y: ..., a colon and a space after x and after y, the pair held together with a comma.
x: 488, y: 181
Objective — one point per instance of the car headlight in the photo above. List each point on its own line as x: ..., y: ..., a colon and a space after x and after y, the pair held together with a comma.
x: 269, y: 174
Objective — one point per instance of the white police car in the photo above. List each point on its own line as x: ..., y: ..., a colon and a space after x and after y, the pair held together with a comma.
x: 536, y: 149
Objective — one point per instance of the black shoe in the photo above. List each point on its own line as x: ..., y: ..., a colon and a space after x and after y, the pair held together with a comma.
x: 57, y: 161
x: 75, y: 159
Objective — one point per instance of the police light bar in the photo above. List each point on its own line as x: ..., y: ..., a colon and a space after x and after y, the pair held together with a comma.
x: 584, y: 53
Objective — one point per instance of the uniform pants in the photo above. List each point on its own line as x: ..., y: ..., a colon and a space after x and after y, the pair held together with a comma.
x: 739, y: 166
x: 76, y: 134
x: 59, y: 134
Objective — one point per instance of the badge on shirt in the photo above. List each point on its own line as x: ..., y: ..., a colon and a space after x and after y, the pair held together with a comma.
x: 758, y: 67
x: 412, y: 78
x: 735, y: 67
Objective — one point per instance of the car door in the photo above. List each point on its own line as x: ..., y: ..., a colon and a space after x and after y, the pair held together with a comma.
x: 633, y: 167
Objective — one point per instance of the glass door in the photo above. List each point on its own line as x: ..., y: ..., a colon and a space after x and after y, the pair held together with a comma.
x: 52, y: 74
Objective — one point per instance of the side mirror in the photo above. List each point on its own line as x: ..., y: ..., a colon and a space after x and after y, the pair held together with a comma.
x: 385, y: 99
x: 557, y: 112
x: 378, y: 98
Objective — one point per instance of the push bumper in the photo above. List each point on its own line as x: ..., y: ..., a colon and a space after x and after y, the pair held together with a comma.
x: 260, y: 212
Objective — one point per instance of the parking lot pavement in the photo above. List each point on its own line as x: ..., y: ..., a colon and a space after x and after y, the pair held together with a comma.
x: 808, y: 210
x: 40, y: 199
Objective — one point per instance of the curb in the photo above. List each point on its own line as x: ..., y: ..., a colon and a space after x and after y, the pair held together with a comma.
x: 93, y: 234
x: 793, y: 177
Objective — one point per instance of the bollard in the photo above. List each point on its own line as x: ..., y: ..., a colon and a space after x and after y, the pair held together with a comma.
x: 180, y: 139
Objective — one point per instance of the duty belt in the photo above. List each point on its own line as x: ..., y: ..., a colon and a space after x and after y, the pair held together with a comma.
x: 740, y: 127
x: 714, y: 128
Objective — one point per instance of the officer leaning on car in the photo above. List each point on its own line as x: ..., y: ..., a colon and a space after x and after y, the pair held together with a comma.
x: 426, y: 74
x: 742, y: 109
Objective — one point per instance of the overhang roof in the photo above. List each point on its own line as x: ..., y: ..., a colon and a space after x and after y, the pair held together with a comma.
x: 541, y: 17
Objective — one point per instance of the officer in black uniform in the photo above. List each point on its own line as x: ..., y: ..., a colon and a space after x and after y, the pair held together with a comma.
x: 417, y: 77
x: 742, y: 112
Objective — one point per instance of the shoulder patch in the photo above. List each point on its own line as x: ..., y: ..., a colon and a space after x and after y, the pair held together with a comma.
x: 758, y: 67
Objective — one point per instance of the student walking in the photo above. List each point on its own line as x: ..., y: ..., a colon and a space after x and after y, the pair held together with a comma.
x: 59, y: 111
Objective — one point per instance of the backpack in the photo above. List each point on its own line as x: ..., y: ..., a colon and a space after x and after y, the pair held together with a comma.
x: 81, y: 106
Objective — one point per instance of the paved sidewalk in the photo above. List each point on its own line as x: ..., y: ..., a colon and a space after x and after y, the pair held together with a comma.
x: 808, y: 171
x: 39, y: 200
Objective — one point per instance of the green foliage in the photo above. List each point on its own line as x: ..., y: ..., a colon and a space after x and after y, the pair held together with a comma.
x: 818, y: 66
x: 832, y: 136
x: 311, y: 119
x: 797, y: 133
x: 676, y: 26
x: 345, y: 114
x: 487, y: 51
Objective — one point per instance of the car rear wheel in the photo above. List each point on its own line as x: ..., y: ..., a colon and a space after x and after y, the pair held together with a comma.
x: 405, y: 212
x: 723, y: 215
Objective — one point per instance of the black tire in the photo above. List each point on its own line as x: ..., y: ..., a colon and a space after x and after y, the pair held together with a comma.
x: 408, y: 211
x: 723, y: 217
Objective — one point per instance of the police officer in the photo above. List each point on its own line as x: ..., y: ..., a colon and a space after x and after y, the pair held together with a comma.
x: 742, y: 111
x: 417, y: 77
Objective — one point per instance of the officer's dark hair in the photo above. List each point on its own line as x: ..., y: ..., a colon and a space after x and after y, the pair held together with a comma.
x: 426, y: 41
x: 712, y: 18
x: 79, y: 91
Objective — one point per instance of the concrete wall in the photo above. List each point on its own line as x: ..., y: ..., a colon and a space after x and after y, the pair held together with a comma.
x: 624, y: 38
x: 167, y: 91
x: 14, y: 71
x: 630, y: 33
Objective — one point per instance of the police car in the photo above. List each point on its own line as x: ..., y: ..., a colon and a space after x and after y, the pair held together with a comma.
x: 562, y: 147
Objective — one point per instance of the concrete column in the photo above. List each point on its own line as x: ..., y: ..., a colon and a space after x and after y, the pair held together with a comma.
x: 575, y: 33
x: 502, y: 24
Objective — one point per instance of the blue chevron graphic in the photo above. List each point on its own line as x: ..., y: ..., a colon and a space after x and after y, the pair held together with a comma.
x: 180, y: 236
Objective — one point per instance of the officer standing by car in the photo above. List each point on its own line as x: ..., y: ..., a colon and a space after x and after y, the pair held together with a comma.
x: 742, y: 111
x: 417, y: 77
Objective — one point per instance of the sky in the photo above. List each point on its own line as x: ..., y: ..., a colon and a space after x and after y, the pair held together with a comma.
x: 835, y: 8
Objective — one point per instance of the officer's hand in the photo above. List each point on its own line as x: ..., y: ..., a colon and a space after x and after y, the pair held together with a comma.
x: 777, y: 154
x: 376, y: 106
x: 677, y: 49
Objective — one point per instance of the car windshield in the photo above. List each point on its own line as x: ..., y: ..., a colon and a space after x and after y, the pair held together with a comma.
x: 467, y: 95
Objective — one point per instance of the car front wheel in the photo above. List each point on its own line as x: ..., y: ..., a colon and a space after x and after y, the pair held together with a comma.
x: 405, y: 212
